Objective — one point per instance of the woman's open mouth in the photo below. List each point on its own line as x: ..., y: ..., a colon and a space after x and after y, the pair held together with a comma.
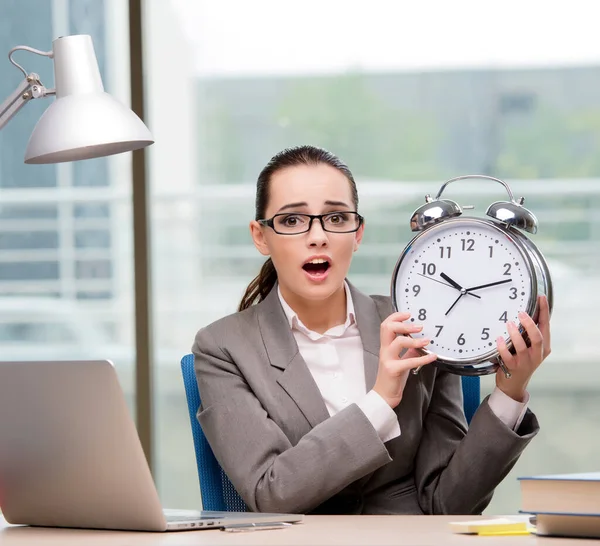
x: 316, y: 269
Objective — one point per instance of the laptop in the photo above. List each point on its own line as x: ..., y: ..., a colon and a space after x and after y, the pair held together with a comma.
x: 70, y: 455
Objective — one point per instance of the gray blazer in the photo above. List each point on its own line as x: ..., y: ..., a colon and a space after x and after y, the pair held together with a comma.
x: 268, y: 426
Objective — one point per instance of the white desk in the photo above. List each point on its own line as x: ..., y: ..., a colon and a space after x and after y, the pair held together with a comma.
x: 315, y: 531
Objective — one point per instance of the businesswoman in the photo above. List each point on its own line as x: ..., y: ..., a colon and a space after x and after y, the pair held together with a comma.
x: 306, y: 402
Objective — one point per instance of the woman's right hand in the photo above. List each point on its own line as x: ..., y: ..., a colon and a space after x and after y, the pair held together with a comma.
x: 394, y: 369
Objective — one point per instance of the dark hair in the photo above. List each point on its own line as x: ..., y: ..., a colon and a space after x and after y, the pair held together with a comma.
x: 263, y: 283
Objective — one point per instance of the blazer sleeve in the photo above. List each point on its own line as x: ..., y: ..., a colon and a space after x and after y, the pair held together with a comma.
x: 457, y: 471
x: 270, y: 473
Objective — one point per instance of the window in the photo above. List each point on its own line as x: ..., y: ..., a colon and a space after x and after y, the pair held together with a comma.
x: 29, y: 240
x: 404, y: 122
x: 35, y: 332
x: 22, y: 212
x: 29, y: 271
x: 93, y: 269
x: 61, y: 251
x: 92, y: 238
x: 91, y: 210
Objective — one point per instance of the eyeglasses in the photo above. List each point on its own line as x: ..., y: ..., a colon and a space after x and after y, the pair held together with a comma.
x: 294, y: 223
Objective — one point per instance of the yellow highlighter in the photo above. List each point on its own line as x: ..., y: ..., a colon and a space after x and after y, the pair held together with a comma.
x: 490, y: 527
x: 502, y: 533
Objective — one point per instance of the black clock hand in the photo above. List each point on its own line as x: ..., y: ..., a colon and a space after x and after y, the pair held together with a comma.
x: 455, y: 302
x: 453, y: 283
x: 489, y: 284
x: 446, y: 284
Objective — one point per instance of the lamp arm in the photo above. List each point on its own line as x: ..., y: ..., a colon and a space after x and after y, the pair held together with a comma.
x: 31, y: 50
x: 30, y: 88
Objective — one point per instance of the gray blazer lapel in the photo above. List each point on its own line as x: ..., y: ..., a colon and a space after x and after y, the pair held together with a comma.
x: 368, y: 322
x: 283, y: 353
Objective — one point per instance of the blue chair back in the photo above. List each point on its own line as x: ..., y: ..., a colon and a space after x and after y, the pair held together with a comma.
x: 217, y: 491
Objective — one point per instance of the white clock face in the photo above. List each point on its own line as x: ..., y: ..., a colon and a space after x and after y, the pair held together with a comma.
x: 463, y: 280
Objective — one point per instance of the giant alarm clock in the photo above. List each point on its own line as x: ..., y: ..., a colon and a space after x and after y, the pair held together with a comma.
x: 464, y: 278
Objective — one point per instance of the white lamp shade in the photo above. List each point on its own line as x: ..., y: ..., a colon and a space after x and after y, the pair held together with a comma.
x: 80, y: 127
x: 83, y: 122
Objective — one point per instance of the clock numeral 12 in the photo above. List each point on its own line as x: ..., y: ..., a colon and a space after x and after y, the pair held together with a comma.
x: 468, y: 244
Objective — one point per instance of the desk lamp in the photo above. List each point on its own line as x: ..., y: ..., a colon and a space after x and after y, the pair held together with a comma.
x: 84, y: 121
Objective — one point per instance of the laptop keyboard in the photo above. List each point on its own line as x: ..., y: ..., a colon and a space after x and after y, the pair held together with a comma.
x: 171, y: 518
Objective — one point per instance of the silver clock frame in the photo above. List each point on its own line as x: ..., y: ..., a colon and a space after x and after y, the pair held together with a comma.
x: 437, y: 214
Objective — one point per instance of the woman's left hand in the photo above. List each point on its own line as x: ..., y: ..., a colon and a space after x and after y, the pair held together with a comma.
x: 526, y: 360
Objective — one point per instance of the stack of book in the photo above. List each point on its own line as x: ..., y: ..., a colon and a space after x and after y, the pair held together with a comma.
x: 563, y: 504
